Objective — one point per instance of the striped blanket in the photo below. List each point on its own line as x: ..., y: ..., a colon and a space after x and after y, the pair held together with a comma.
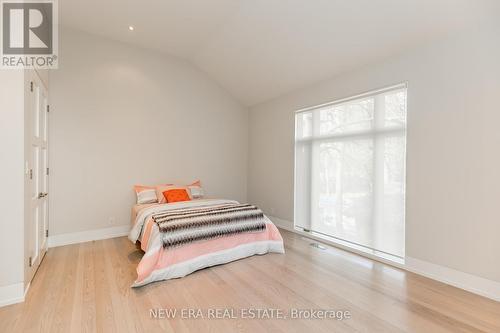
x: 187, y: 225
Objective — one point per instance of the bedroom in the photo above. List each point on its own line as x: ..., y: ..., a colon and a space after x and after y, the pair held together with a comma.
x: 361, y: 133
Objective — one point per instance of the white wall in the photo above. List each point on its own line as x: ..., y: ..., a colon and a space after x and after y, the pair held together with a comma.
x: 121, y: 115
x: 12, y: 180
x: 453, y: 178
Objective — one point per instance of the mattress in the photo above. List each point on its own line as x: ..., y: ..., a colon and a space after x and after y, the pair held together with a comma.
x: 159, y: 263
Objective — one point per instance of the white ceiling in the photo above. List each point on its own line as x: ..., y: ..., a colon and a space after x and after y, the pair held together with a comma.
x: 260, y: 49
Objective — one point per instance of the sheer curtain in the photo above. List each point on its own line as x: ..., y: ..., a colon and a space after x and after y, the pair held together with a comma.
x: 350, y: 170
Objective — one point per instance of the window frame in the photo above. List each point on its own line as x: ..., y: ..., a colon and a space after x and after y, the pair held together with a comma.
x: 374, y: 132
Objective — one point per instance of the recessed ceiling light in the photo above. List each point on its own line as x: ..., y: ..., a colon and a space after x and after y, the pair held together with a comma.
x: 131, y: 28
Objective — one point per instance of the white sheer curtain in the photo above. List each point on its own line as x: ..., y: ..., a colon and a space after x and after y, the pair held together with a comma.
x: 350, y: 170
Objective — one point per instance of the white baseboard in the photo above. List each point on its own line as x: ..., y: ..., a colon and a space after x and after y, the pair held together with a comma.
x: 12, y: 294
x: 283, y: 224
x: 26, y: 289
x: 466, y: 281
x: 15, y: 293
x: 89, y: 235
x: 472, y: 283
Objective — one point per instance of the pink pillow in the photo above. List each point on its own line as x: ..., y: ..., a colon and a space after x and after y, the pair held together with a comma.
x: 140, y: 188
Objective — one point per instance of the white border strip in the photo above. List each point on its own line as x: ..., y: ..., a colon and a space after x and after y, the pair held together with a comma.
x: 89, y: 235
x: 390, y: 260
x: 16, y: 293
x: 12, y: 294
x: 472, y: 283
x: 280, y: 223
x: 469, y: 282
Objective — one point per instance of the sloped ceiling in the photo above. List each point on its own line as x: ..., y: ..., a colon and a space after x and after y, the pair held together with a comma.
x: 261, y: 49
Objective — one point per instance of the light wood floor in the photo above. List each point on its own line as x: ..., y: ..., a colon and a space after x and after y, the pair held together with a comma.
x: 86, y: 287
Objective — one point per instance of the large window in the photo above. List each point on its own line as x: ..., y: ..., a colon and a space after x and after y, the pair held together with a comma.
x: 350, y: 170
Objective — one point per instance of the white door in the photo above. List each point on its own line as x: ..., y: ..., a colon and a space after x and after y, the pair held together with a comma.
x: 38, y: 172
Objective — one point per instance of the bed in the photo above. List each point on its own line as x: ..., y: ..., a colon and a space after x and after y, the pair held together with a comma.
x: 163, y: 263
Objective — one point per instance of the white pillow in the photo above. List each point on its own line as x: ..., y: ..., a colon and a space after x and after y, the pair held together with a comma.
x: 196, y: 191
x: 146, y: 196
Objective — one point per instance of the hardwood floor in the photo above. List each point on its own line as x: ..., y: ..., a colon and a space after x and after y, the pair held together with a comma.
x: 86, y: 288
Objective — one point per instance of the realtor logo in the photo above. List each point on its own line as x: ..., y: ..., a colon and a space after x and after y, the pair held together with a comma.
x: 29, y: 34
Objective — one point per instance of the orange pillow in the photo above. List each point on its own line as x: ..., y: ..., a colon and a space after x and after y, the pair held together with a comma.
x: 176, y: 195
x: 162, y: 188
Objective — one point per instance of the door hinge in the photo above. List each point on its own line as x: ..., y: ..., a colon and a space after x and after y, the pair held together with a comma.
x: 48, y: 108
x: 31, y: 86
x: 47, y: 171
x: 31, y: 173
x: 47, y: 233
x: 30, y: 262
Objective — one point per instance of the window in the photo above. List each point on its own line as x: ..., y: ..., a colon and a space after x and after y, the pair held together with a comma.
x: 350, y: 170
